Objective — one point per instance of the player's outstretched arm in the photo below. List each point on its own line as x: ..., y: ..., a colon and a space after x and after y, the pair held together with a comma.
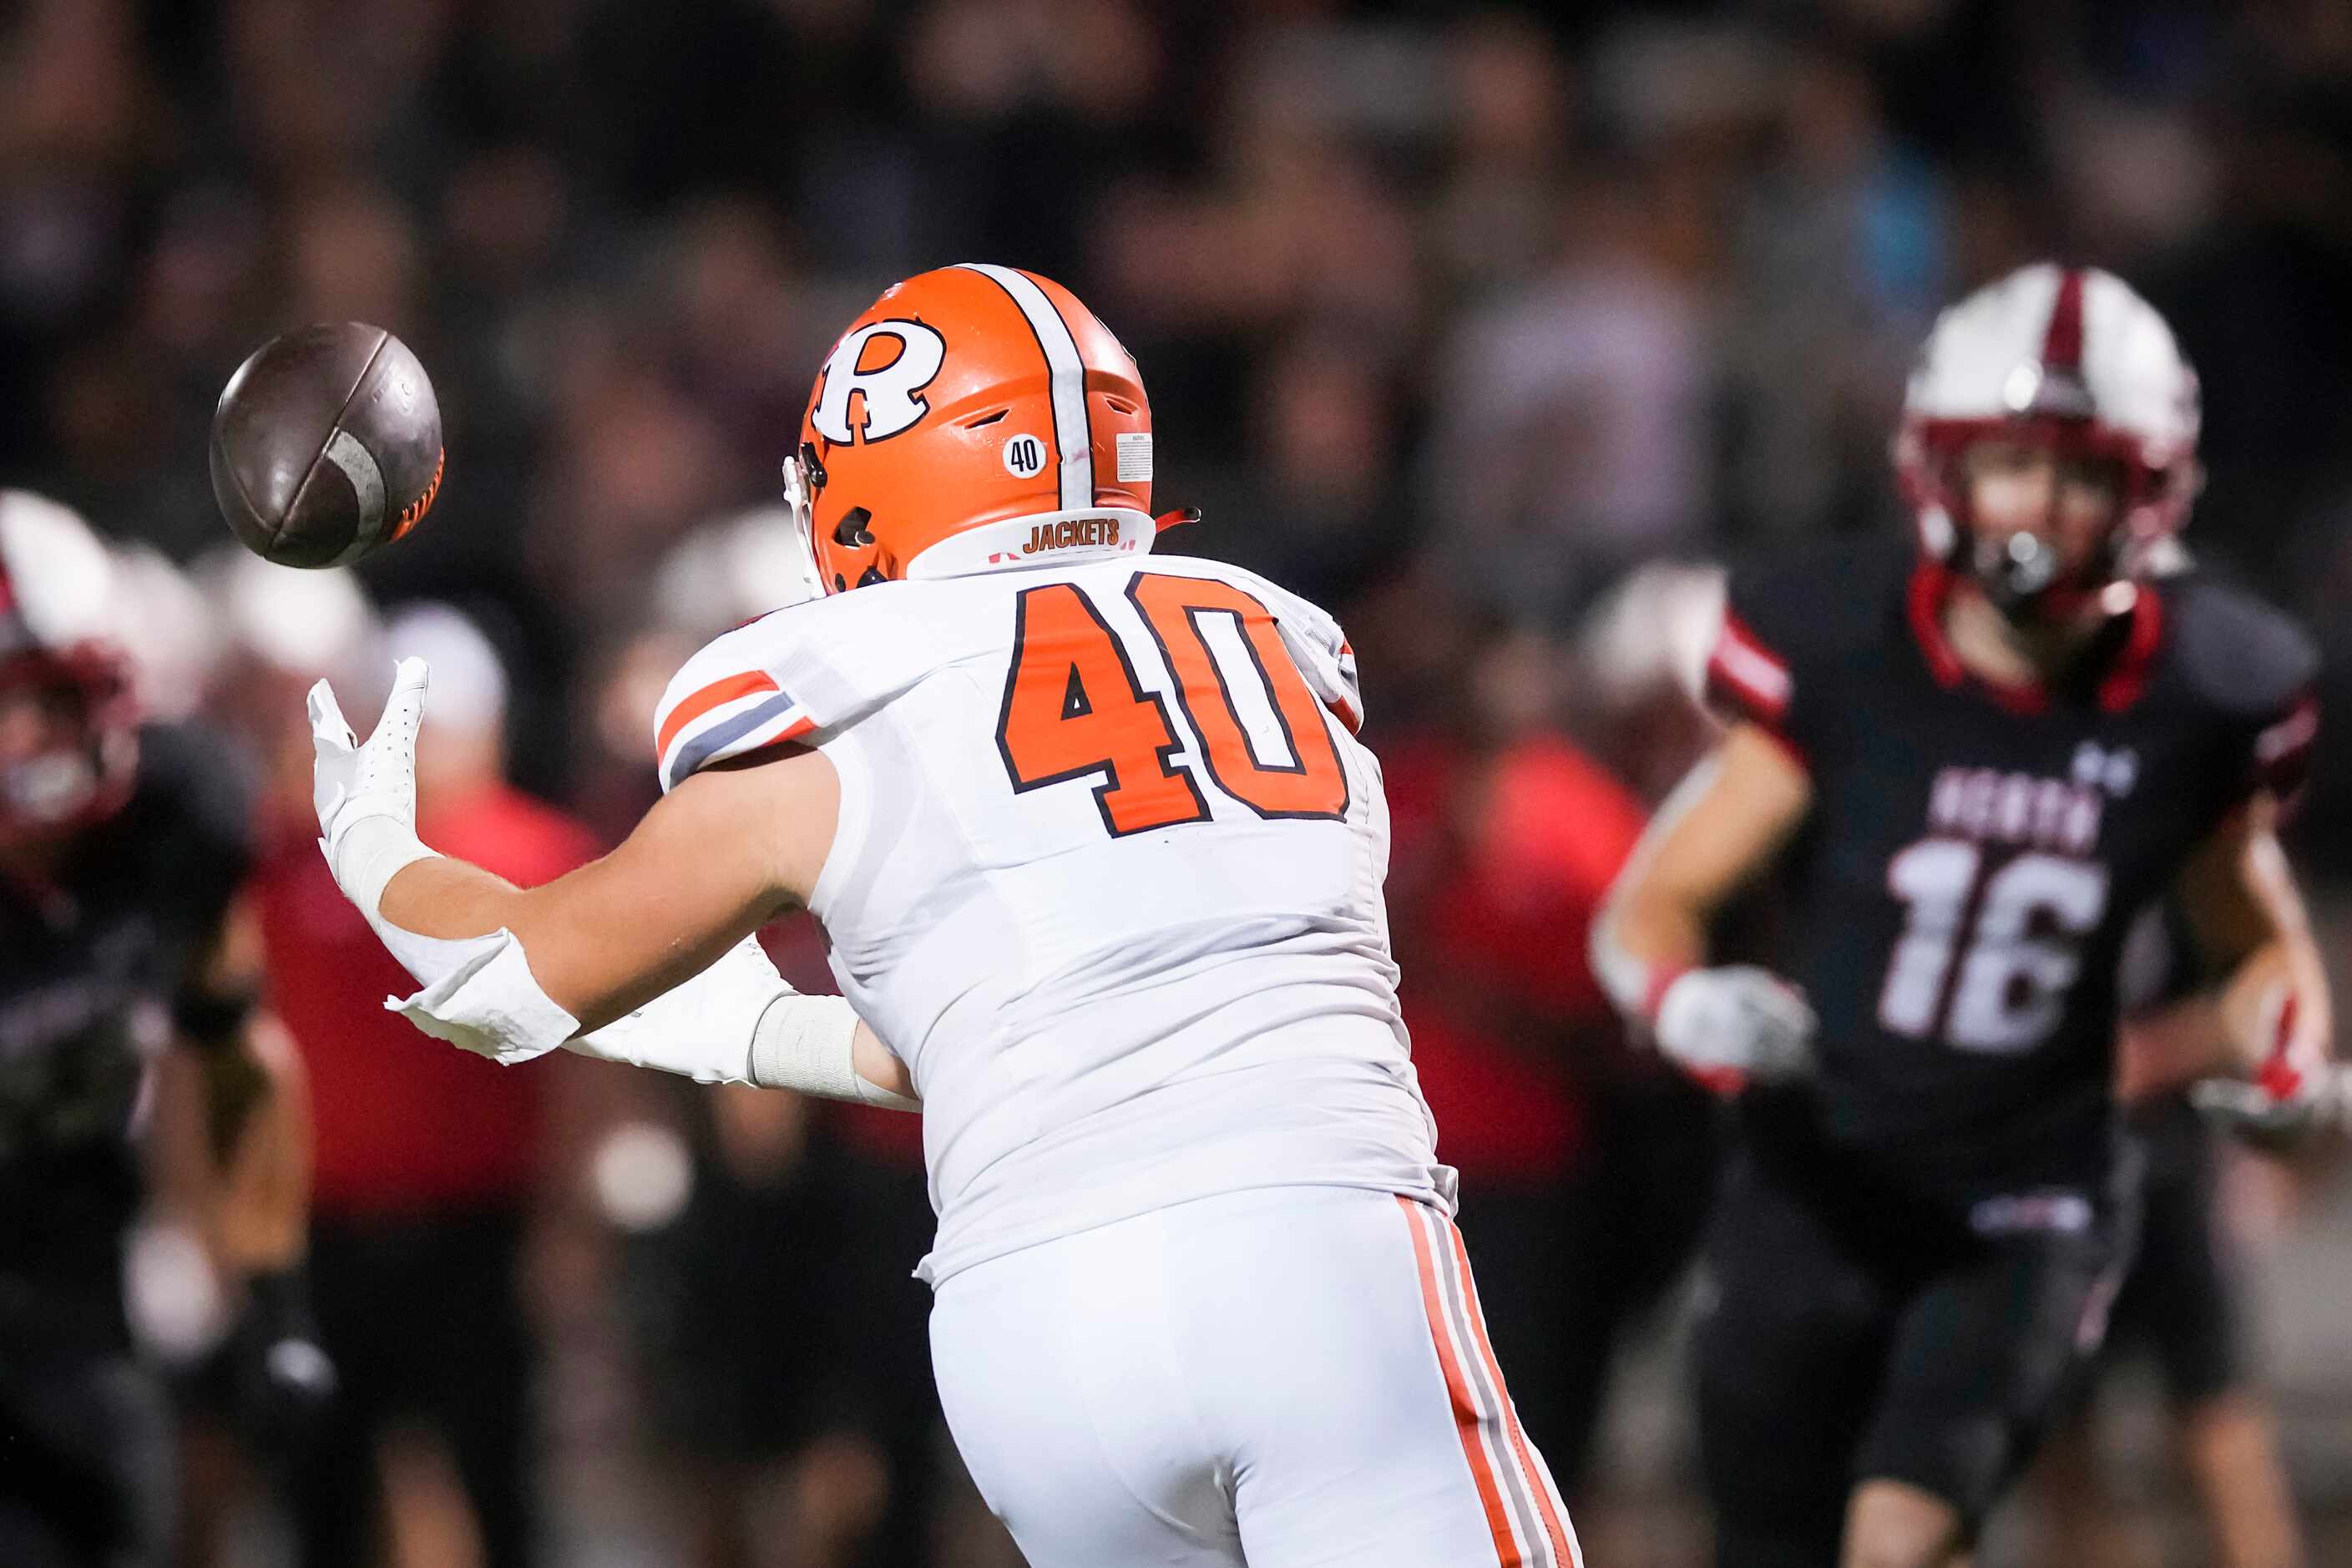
x: 2269, y: 1018
x: 220, y: 1254
x: 709, y: 865
x: 254, y: 1160
x: 1715, y: 834
x: 621, y: 958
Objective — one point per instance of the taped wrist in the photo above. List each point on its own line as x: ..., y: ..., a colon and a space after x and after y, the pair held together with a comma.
x: 1637, y: 989
x: 809, y: 1044
x: 367, y: 855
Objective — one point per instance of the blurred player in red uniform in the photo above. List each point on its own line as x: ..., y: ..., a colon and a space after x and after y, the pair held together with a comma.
x: 137, y: 1072
x: 1966, y: 766
x: 429, y: 1162
x: 1584, y: 1164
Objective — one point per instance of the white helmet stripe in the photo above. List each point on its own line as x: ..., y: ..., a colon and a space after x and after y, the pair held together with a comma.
x: 1072, y: 439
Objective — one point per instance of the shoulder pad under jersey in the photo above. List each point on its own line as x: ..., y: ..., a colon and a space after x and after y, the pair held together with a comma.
x: 1791, y: 620
x: 193, y: 808
x: 2235, y: 652
x: 2252, y: 668
x: 1313, y: 638
x: 792, y: 673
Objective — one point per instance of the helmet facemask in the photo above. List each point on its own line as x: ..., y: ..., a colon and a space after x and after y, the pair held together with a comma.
x: 2071, y: 364
x: 68, y: 743
x: 2024, y: 570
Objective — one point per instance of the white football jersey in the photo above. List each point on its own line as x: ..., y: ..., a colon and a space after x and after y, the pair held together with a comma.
x: 1106, y: 876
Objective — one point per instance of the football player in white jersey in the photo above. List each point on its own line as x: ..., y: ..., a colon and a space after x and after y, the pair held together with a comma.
x: 1096, y: 851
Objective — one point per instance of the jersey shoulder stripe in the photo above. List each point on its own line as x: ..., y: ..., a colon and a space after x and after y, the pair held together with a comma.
x: 723, y: 703
x: 806, y: 668
x: 698, y: 704
x: 732, y: 732
x: 1745, y: 675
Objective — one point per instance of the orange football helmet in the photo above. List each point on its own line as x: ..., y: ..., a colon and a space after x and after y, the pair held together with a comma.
x: 971, y: 418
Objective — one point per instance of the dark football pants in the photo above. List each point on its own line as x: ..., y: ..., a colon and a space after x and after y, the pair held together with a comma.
x: 85, y: 1460
x: 2177, y: 1304
x: 1566, y: 1267
x: 423, y: 1319
x: 1825, y: 1360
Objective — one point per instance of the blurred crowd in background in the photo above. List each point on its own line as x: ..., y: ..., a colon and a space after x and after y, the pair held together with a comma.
x: 1471, y: 322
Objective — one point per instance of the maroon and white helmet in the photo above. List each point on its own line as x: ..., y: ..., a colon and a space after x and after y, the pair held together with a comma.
x: 60, y: 631
x: 2071, y: 357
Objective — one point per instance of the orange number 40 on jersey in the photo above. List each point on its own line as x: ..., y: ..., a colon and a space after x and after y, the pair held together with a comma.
x: 1074, y: 707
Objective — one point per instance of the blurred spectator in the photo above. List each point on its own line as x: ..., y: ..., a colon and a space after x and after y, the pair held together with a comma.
x: 79, y: 127
x: 429, y: 1160
x: 1504, y: 301
x: 1842, y: 260
x: 800, y: 1223
x: 1510, y: 115
x: 1584, y: 1167
x: 1572, y: 437
x: 1314, y: 506
x: 353, y: 256
x: 798, y: 1229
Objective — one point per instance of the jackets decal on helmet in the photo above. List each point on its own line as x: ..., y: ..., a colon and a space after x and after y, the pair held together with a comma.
x: 891, y: 389
x: 1071, y: 532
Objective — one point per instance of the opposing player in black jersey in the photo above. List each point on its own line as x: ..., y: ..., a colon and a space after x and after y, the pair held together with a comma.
x: 130, y: 1081
x: 1964, y: 768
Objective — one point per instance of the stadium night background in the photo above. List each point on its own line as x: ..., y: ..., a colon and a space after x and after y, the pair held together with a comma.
x: 1495, y: 331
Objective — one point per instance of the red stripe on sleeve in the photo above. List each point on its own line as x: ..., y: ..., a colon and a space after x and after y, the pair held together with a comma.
x: 2282, y: 759
x: 726, y: 690
x: 1751, y: 674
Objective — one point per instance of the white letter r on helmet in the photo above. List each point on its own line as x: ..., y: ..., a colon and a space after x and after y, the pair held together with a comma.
x: 890, y: 388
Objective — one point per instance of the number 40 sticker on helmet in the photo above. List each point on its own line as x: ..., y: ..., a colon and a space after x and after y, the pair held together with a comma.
x: 1024, y: 457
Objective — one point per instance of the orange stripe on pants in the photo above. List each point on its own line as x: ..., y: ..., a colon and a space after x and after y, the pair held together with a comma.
x: 1458, y: 1388
x: 1518, y: 1438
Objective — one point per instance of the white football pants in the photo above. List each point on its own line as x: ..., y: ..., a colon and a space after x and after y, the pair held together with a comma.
x: 1275, y: 1378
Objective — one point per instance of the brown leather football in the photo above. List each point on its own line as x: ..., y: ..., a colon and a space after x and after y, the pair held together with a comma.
x: 326, y: 445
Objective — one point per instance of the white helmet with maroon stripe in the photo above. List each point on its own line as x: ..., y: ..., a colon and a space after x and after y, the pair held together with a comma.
x: 2066, y: 355
x: 61, y: 638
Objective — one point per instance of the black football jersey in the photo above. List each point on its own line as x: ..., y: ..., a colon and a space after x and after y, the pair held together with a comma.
x: 88, y: 968
x: 1955, y: 902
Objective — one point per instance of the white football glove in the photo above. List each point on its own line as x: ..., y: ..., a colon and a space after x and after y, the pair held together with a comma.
x: 738, y: 1021
x: 1735, y: 1025
x: 479, y: 993
x: 2279, y: 1108
x: 2294, y: 1094
x: 366, y: 794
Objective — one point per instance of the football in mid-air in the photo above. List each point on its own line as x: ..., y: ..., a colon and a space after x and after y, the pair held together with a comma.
x: 326, y: 445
